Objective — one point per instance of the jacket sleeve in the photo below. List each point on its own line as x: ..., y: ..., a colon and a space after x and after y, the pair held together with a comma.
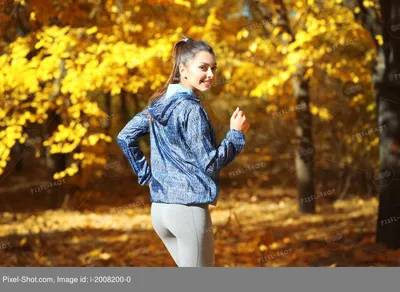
x: 198, y: 139
x: 128, y: 138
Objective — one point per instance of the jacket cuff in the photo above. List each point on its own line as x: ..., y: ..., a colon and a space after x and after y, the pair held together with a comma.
x: 237, y: 138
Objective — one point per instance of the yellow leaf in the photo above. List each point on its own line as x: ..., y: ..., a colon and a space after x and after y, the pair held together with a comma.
x: 253, y: 47
x: 379, y: 38
x: 105, y: 256
x: 274, y: 245
x: 22, y: 241
x: 70, y: 171
x: 92, y: 140
x: 271, y: 108
x: 324, y: 114
x: 92, y: 30
x: 95, y: 252
x: 375, y: 142
x: 371, y: 107
x: 32, y: 16
x: 314, y: 110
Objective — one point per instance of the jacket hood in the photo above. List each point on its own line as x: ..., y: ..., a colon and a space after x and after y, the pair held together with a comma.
x: 162, y: 109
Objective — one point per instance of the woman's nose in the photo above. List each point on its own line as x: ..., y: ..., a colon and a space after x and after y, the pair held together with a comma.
x: 210, y: 73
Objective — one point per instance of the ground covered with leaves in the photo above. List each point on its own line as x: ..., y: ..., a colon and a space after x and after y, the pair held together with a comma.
x: 254, y: 226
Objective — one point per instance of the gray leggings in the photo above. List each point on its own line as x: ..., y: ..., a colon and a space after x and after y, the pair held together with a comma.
x: 186, y: 231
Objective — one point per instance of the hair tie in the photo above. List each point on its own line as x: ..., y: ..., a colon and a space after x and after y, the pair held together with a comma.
x: 187, y: 40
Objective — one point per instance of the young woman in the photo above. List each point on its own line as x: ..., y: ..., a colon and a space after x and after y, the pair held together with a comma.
x: 185, y: 159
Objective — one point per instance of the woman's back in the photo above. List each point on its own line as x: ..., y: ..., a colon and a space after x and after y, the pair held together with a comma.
x: 185, y: 160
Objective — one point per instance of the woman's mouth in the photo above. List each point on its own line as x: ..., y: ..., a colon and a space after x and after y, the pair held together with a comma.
x: 207, y: 83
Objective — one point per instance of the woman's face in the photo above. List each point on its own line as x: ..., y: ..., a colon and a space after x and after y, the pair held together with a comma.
x: 200, y: 72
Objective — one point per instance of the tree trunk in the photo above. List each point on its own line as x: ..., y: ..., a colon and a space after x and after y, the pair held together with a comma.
x: 388, y: 106
x: 136, y: 103
x: 124, y: 109
x: 305, y: 151
x: 54, y: 162
x: 19, y: 167
x: 108, y: 110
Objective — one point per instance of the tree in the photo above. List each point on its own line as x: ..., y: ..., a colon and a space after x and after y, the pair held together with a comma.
x: 67, y: 54
x: 305, y: 151
x: 388, y: 104
x: 305, y: 45
x: 380, y: 20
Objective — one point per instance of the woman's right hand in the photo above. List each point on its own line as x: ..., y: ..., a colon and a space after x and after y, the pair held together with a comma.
x: 239, y: 122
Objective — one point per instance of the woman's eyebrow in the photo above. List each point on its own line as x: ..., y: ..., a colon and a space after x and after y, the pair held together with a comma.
x: 209, y: 64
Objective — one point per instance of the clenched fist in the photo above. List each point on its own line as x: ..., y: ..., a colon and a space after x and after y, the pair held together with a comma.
x: 239, y: 122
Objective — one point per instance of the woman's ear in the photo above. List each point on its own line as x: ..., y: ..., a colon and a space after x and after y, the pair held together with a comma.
x: 181, y: 69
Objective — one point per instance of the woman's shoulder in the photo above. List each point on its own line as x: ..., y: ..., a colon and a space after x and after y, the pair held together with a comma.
x: 188, y: 109
x: 188, y: 105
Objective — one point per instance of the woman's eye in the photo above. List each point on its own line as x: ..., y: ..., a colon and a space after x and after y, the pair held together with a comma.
x: 202, y: 67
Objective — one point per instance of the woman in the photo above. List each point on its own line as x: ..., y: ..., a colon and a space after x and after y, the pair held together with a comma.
x: 185, y: 158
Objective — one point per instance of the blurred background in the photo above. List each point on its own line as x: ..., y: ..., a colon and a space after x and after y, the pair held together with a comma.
x: 315, y: 184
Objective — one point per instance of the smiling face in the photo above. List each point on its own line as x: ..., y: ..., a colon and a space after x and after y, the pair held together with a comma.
x: 200, y: 72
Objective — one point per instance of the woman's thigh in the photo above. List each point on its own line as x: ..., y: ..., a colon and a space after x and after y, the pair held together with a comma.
x: 169, y: 239
x: 192, y: 227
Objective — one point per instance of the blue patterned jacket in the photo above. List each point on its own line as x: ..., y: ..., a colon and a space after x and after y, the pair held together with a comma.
x: 185, y: 159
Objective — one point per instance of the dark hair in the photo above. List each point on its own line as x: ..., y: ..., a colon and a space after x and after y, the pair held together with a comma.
x: 184, y: 51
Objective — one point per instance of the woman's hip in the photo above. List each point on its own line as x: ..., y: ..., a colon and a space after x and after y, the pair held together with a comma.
x: 181, y: 219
